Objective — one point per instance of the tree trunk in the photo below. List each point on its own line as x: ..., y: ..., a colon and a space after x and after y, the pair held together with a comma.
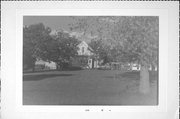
x: 144, y: 80
x: 33, y: 67
x: 59, y: 66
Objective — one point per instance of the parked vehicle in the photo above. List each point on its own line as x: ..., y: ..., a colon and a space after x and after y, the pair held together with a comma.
x: 135, y: 67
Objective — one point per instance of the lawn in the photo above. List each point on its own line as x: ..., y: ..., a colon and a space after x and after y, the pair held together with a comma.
x: 86, y: 87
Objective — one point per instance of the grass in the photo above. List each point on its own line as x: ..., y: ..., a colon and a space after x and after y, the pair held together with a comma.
x: 86, y: 87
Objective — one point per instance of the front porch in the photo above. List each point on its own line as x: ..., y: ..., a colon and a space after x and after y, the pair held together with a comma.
x: 86, y: 62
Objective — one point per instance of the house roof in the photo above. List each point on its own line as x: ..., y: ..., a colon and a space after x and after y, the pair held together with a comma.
x: 83, y: 42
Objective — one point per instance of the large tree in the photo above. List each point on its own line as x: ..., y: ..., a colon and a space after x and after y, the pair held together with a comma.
x: 131, y: 39
x: 101, y: 50
x: 139, y: 43
x: 35, y: 39
x: 61, y: 49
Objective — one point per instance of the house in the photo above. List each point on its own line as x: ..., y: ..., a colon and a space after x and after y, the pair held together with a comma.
x: 86, y: 57
x: 44, y: 65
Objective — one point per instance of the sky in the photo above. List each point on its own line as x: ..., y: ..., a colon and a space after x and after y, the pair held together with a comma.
x: 54, y: 22
x: 59, y: 22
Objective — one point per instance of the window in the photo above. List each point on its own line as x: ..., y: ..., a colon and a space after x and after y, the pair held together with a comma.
x: 82, y: 49
x: 89, y: 60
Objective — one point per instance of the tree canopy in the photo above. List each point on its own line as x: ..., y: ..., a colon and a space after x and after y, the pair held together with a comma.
x: 130, y: 38
x: 139, y: 37
x: 62, y: 49
x: 35, y: 39
x: 101, y: 50
x: 38, y: 44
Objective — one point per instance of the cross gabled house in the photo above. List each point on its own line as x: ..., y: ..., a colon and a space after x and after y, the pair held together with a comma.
x: 86, y: 57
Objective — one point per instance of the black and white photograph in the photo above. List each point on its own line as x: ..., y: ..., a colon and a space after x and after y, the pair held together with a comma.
x: 90, y: 60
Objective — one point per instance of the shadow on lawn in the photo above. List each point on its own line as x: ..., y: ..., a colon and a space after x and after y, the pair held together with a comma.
x: 42, y: 76
x: 134, y: 75
x: 73, y: 68
x: 131, y: 75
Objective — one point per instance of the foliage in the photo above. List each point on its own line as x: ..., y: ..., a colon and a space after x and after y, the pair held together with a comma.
x: 61, y: 49
x: 34, y: 39
x: 139, y: 37
x: 101, y: 50
x: 130, y: 38
x: 39, y: 44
